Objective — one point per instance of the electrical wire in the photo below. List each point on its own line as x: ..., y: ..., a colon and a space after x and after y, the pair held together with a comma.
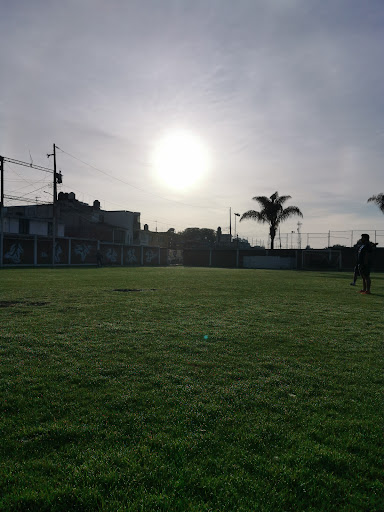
x: 25, y: 197
x: 25, y: 180
x: 166, y: 221
x: 130, y: 185
x: 27, y: 200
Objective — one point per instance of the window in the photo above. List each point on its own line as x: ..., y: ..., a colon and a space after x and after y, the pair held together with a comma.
x: 24, y: 226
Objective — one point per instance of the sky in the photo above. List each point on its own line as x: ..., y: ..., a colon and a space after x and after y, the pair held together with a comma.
x: 282, y: 95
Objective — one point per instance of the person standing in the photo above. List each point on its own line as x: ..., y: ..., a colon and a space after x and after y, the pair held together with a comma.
x: 364, y: 259
x: 99, y: 259
x: 356, y: 272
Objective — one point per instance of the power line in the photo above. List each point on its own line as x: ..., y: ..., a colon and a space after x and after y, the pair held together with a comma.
x: 37, y: 167
x: 20, y: 176
x: 130, y: 185
x: 25, y: 164
x: 25, y: 199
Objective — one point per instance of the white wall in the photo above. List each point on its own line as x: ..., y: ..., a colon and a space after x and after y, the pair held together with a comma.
x: 36, y: 227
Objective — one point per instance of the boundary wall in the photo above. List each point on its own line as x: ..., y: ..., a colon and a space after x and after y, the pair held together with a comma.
x: 297, y: 259
x: 38, y: 251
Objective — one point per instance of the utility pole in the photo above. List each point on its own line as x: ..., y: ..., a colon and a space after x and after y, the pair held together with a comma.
x: 57, y: 178
x: 230, y: 224
x: 54, y: 205
x: 1, y: 210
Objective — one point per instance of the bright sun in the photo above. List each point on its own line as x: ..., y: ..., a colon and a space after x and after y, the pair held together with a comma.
x: 180, y: 160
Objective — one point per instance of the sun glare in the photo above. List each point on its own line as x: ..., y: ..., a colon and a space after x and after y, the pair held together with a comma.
x: 180, y: 160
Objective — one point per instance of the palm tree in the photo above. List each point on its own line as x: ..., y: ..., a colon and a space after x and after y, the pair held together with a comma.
x: 379, y: 200
x: 272, y: 212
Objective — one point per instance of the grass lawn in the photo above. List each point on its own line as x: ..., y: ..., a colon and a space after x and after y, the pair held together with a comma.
x: 204, y: 390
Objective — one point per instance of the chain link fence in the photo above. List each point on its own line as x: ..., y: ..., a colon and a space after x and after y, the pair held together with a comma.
x: 347, y: 238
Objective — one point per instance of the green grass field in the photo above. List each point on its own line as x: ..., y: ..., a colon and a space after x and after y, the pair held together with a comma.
x: 206, y: 390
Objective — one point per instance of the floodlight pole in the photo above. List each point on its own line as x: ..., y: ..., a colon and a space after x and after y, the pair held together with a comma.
x: 236, y: 215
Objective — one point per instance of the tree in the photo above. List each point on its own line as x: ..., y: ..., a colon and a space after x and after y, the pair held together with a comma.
x: 198, y: 236
x: 272, y: 212
x: 379, y: 200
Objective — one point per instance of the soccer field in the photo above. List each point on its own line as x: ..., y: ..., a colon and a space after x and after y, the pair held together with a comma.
x: 190, y: 389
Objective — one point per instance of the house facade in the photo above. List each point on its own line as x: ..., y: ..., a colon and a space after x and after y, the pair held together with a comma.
x: 74, y: 219
x: 30, y: 220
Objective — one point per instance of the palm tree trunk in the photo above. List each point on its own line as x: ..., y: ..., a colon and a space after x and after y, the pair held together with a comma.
x: 272, y: 233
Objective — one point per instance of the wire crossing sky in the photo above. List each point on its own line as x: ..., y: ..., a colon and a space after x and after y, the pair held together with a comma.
x: 239, y: 99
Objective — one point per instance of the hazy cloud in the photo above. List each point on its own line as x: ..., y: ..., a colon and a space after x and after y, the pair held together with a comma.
x: 287, y: 95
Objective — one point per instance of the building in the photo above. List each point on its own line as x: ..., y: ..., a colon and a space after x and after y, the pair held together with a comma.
x: 155, y: 238
x: 30, y: 220
x: 74, y: 219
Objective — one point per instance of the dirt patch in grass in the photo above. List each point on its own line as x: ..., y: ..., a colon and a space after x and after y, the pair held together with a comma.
x: 134, y: 290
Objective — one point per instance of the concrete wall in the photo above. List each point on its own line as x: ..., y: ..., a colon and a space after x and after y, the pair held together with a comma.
x: 340, y: 259
x: 272, y: 262
x: 38, y: 251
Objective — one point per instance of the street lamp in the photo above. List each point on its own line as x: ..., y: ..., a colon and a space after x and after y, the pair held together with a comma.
x: 236, y: 215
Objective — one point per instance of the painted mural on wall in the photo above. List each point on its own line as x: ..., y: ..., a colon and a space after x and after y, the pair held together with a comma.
x: 151, y: 256
x: 44, y: 252
x: 15, y: 253
x: 18, y: 252
x: 131, y: 257
x: 175, y: 257
x: 38, y: 250
x: 111, y: 255
x: 82, y: 250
